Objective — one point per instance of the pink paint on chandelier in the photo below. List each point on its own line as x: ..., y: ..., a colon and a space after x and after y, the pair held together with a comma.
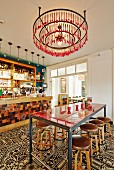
x: 60, y: 32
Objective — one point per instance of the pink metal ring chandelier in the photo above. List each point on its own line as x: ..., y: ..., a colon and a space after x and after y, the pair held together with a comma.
x: 60, y: 32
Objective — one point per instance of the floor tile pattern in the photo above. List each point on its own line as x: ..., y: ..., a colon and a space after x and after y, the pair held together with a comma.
x: 14, y: 152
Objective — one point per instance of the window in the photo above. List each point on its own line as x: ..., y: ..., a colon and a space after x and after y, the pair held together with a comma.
x: 53, y: 73
x: 81, y: 67
x: 63, y: 85
x: 70, y: 69
x: 61, y: 71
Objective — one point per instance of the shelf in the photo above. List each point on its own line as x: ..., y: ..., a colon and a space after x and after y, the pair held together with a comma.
x: 5, y: 78
x: 2, y: 69
x: 20, y: 74
x: 39, y: 80
x: 24, y: 80
x: 30, y: 74
x: 5, y: 87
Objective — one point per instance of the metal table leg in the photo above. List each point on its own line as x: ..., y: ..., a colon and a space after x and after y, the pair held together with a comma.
x: 105, y: 116
x: 30, y: 130
x: 105, y: 111
x: 69, y: 150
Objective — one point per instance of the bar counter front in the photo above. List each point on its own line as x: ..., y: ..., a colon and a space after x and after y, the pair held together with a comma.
x: 14, y: 110
x: 66, y: 120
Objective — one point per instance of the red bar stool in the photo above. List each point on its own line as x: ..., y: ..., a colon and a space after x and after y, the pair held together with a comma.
x: 81, y: 145
x: 43, y: 139
x: 91, y: 131
x: 107, y: 121
x: 100, y: 125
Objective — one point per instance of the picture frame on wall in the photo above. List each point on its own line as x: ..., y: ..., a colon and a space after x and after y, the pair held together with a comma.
x: 63, y: 85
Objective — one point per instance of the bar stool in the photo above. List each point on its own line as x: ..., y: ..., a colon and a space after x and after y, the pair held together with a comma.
x: 59, y: 133
x: 100, y: 125
x: 107, y: 121
x: 81, y: 145
x: 91, y: 131
x: 43, y: 139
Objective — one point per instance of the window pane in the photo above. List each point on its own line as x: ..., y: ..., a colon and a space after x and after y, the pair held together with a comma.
x: 81, y: 67
x: 70, y: 69
x: 61, y: 71
x: 53, y: 73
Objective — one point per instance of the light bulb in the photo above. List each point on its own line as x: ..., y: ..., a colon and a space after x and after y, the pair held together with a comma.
x: 59, y: 43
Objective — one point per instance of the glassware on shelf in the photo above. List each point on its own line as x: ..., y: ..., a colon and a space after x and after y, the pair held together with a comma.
x: 38, y: 76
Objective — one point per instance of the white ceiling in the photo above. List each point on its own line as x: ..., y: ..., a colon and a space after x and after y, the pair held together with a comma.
x: 19, y: 16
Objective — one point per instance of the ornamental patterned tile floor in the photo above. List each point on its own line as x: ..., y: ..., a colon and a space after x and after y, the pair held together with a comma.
x: 14, y: 152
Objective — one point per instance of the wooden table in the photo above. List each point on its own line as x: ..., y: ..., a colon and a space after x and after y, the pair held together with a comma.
x: 66, y: 121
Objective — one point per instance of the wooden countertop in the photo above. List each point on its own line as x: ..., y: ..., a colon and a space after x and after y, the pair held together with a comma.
x: 23, y: 99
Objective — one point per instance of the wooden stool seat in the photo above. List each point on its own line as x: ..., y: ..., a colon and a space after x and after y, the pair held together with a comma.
x: 81, y: 145
x: 80, y: 142
x: 41, y: 124
x: 105, y: 119
x: 97, y: 122
x: 89, y: 127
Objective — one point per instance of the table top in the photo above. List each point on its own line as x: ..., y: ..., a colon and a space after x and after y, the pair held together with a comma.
x: 61, y: 117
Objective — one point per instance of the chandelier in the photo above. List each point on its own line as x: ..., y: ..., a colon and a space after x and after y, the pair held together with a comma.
x: 60, y: 32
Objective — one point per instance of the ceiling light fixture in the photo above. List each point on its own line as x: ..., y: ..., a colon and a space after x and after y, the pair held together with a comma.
x: 32, y: 56
x: 0, y: 43
x: 10, y: 44
x: 18, y: 47
x: 38, y: 59
x: 26, y: 53
x: 43, y: 70
x: 2, y: 21
x: 60, y: 32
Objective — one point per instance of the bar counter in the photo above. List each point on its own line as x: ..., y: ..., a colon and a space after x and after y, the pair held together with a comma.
x: 23, y: 99
x: 14, y: 110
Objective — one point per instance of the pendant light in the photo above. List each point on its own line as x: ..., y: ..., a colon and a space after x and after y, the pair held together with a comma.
x: 60, y: 32
x: 32, y: 72
x: 43, y: 70
x: 18, y: 47
x: 38, y: 59
x: 38, y: 74
x: 0, y: 43
x: 1, y: 46
x: 10, y: 44
x: 32, y: 56
x: 26, y: 53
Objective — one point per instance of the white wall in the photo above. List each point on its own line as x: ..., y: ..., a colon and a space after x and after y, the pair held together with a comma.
x: 100, y: 79
x: 113, y: 82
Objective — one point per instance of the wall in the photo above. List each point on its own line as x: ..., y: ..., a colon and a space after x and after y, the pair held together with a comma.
x: 100, y: 79
x: 113, y: 81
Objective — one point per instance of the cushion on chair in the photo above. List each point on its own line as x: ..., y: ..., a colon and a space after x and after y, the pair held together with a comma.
x: 105, y: 119
x: 41, y: 124
x: 89, y: 127
x: 97, y: 122
x: 80, y: 142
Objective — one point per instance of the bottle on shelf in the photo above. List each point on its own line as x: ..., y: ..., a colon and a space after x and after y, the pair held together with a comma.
x: 38, y: 76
